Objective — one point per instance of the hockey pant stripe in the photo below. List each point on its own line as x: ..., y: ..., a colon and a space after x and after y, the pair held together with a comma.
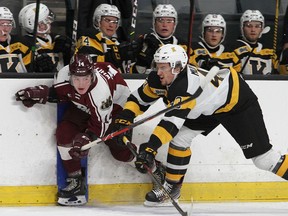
x: 177, y: 163
x: 281, y: 168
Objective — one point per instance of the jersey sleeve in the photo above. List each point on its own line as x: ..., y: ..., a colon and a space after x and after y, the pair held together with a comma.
x: 147, y: 94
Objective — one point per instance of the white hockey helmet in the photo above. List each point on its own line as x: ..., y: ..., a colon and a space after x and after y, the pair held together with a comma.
x: 214, y: 20
x: 105, y: 10
x: 27, y: 17
x: 173, y: 54
x: 165, y: 10
x: 253, y: 15
x: 5, y: 14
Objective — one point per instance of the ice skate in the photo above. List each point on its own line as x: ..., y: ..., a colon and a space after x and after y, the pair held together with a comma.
x: 74, y: 193
x: 159, y: 173
x: 158, y: 197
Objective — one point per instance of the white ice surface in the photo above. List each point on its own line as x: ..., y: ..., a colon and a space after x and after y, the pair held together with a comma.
x: 199, y: 209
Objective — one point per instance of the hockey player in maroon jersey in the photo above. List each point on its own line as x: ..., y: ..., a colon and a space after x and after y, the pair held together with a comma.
x: 96, y: 92
x: 227, y: 98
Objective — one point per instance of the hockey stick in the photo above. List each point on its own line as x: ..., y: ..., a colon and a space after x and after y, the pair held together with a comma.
x: 133, y: 21
x: 127, y: 65
x: 190, y: 27
x: 210, y: 75
x: 33, y: 47
x: 150, y: 173
x: 75, y: 27
x: 276, y: 28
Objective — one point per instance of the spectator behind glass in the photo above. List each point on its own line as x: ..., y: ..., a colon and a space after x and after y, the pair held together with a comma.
x: 164, y: 23
x: 254, y: 57
x: 15, y: 55
x: 52, y: 51
x: 210, y: 51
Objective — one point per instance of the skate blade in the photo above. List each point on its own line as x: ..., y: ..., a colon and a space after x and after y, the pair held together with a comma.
x: 72, y: 201
x: 166, y: 203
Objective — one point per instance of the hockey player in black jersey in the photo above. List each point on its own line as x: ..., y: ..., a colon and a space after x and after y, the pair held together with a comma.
x: 210, y: 45
x: 164, y: 24
x: 14, y: 54
x: 226, y: 99
x: 53, y: 51
x: 253, y: 56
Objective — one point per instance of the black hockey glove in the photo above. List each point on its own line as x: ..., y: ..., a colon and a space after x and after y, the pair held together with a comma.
x: 208, y: 63
x: 152, y: 42
x: 43, y: 63
x: 145, y: 158
x: 112, y: 55
x: 80, y: 140
x: 128, y: 51
x: 32, y: 95
x: 123, y: 119
x: 146, y: 55
x: 62, y: 44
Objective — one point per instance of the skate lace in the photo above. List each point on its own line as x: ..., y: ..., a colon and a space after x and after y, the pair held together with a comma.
x: 73, y: 183
x: 159, y: 175
x: 161, y: 194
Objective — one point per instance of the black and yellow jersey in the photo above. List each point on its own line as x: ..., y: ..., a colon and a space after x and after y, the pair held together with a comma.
x: 226, y: 92
x: 15, y: 55
x: 95, y: 44
x: 202, y: 53
x: 46, y: 45
x: 147, y: 45
x: 256, y: 58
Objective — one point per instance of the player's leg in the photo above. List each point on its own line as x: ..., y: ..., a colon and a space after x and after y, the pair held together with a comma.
x: 74, y: 191
x: 178, y: 159
x: 248, y: 128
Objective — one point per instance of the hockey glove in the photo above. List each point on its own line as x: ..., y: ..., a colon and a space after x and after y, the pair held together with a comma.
x: 145, y: 158
x: 112, y: 55
x: 152, y: 42
x: 128, y: 51
x: 43, y: 63
x: 124, y: 119
x: 32, y: 95
x: 62, y: 44
x: 80, y: 140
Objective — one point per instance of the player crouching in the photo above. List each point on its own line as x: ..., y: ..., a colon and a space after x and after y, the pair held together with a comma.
x: 95, y: 93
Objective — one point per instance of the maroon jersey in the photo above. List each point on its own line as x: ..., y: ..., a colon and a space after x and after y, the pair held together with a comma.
x: 104, y: 99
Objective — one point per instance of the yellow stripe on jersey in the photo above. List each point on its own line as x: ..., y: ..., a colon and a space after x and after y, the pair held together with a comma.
x: 234, y: 95
x: 180, y: 153
x: 18, y: 46
x: 134, y: 107
x: 162, y: 134
x: 150, y: 92
x: 283, y: 168
x: 27, y: 59
x: 189, y: 105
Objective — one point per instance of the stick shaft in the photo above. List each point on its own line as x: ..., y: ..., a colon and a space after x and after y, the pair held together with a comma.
x: 210, y: 75
x: 150, y: 173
